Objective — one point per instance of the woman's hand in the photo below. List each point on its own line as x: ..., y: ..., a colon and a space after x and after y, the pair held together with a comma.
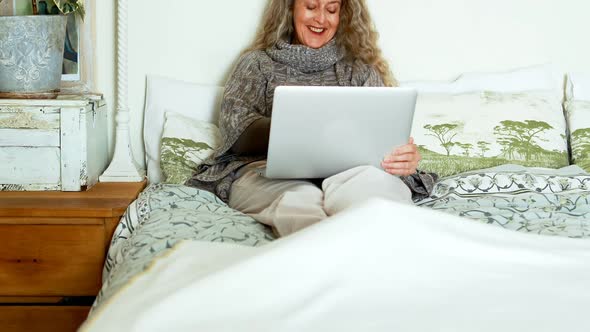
x: 402, y: 160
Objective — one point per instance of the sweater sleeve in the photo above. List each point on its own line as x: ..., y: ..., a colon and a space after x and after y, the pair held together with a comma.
x: 421, y: 184
x: 243, y: 100
x: 373, y: 78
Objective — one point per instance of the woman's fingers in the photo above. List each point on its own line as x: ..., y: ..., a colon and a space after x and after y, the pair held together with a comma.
x: 403, y: 157
x: 403, y: 160
x: 400, y: 164
x: 404, y: 153
x: 408, y: 148
x: 400, y: 167
x: 399, y: 172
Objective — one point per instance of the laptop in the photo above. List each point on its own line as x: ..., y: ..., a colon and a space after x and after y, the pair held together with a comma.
x: 317, y: 132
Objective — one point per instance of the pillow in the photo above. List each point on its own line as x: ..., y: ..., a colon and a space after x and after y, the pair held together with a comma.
x: 544, y: 77
x: 577, y: 107
x: 484, y: 120
x: 200, y: 102
x: 186, y: 143
x: 578, y: 87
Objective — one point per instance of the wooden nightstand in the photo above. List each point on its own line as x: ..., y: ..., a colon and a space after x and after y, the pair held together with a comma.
x: 52, y: 249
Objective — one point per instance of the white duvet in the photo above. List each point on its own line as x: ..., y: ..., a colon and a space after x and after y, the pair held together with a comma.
x: 381, y: 266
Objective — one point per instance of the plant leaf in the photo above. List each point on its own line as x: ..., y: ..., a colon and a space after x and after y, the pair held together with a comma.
x: 70, y: 6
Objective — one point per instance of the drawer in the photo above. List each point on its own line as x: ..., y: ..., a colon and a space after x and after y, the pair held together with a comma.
x: 42, y: 318
x: 30, y: 167
x: 29, y: 137
x: 51, y: 260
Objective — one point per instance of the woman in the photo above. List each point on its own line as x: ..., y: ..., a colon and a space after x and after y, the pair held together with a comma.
x: 302, y: 42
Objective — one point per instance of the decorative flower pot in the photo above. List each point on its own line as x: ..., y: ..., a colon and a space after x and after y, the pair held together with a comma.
x: 31, y: 55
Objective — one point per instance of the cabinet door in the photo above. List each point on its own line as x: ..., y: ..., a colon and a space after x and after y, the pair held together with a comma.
x: 42, y: 318
x: 51, y: 260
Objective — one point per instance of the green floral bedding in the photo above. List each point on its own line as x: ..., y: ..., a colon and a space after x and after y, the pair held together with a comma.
x: 551, y: 202
x: 542, y: 201
x: 165, y: 214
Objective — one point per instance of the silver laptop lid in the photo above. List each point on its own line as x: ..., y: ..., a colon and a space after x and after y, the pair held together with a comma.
x: 317, y: 132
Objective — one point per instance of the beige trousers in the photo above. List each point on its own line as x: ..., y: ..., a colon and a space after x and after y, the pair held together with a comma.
x: 290, y: 205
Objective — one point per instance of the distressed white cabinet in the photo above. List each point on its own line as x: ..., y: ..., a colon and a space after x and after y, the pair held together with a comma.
x: 53, y: 144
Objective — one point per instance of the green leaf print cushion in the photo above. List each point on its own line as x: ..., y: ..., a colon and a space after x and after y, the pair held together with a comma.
x: 577, y: 107
x: 186, y: 143
x: 458, y: 132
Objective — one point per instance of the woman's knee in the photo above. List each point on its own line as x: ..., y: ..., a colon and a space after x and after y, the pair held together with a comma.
x: 360, y: 183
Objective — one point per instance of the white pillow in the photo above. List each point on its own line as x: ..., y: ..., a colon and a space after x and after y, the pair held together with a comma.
x: 186, y: 143
x: 200, y: 102
x: 578, y: 87
x: 535, y: 78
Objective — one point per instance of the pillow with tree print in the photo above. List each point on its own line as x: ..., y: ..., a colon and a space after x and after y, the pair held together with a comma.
x: 186, y: 143
x: 577, y: 107
x: 459, y: 132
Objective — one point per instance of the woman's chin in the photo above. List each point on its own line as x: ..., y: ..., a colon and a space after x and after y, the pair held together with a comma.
x: 316, y: 43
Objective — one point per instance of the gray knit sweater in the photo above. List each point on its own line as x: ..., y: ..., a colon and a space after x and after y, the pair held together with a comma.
x: 249, y: 94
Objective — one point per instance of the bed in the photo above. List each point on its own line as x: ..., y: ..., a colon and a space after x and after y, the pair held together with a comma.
x: 501, y: 244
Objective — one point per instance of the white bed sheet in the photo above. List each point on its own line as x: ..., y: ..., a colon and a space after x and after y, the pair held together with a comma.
x: 382, y: 266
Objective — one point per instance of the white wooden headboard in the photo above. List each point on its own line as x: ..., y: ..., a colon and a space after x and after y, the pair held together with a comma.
x: 198, y: 40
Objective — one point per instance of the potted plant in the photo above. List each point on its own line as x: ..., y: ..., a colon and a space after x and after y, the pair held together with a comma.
x: 31, y: 49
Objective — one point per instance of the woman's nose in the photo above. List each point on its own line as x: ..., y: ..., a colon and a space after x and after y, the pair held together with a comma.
x: 321, y: 17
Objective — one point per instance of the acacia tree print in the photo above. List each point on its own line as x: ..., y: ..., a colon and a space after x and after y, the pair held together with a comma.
x: 508, y: 147
x: 179, y: 157
x: 182, y: 150
x: 466, y: 148
x: 517, y: 137
x: 445, y: 133
x: 483, y: 147
x: 581, y: 143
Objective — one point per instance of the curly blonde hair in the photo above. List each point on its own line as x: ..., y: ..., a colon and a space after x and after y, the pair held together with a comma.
x: 356, y: 33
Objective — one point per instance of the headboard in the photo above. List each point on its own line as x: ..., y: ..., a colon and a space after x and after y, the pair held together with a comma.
x: 198, y: 41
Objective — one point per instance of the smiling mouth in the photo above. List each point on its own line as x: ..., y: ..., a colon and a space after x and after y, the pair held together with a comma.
x: 316, y: 30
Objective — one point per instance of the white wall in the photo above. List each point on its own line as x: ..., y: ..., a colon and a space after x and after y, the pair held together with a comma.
x: 198, y: 40
x: 433, y: 39
x: 104, y: 73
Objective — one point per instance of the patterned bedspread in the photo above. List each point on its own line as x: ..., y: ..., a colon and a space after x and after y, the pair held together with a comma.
x: 551, y: 202
x: 164, y: 215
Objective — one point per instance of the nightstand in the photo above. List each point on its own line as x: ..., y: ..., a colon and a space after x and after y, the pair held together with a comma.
x: 52, y: 250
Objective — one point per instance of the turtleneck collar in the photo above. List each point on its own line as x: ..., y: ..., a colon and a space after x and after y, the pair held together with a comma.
x: 306, y: 59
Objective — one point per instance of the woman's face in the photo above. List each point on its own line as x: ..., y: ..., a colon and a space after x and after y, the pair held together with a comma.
x: 315, y: 21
